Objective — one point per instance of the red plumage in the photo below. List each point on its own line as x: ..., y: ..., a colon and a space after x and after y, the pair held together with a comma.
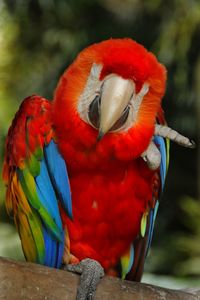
x: 107, y: 207
x: 111, y: 187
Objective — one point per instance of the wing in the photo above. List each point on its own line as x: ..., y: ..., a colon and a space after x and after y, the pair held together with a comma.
x: 132, y: 264
x: 37, y: 183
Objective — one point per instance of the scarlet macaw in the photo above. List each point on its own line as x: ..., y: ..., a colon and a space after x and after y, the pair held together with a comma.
x: 84, y: 173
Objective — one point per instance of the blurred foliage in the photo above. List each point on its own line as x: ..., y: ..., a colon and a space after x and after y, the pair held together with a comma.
x: 39, y: 39
x: 10, y: 244
x: 182, y: 248
x: 188, y: 245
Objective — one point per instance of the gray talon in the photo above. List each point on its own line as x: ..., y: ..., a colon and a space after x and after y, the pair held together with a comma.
x: 91, y: 271
x: 173, y: 135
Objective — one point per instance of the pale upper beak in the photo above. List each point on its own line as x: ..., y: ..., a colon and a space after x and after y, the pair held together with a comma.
x: 115, y: 97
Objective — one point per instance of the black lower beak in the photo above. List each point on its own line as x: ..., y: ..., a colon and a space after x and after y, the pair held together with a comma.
x: 100, y: 136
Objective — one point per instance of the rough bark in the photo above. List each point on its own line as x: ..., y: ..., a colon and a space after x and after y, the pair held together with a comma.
x: 21, y: 280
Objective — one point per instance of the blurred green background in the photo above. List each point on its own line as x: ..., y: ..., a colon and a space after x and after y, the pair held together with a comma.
x: 40, y: 38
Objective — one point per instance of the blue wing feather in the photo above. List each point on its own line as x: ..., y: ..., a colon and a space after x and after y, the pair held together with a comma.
x: 151, y: 227
x: 60, y: 252
x: 51, y: 182
x: 48, y: 248
x: 48, y: 198
x: 46, y: 193
x: 158, y: 140
x: 59, y: 176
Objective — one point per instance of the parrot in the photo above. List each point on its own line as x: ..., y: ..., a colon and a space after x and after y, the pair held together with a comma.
x: 84, y: 172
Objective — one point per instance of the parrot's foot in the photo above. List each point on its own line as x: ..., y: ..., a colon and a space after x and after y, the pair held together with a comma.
x: 91, y: 271
x: 174, y: 136
x: 152, y: 154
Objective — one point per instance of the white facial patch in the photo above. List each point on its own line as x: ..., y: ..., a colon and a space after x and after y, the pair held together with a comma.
x: 136, y: 100
x: 92, y: 89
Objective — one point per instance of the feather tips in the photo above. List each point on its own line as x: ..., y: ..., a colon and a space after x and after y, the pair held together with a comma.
x: 28, y: 224
x: 143, y: 223
x: 28, y: 185
x: 127, y: 262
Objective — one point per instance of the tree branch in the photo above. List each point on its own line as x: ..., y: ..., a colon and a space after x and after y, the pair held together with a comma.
x: 22, y: 280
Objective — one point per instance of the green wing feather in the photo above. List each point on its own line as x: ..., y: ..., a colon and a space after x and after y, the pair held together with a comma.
x: 28, y: 185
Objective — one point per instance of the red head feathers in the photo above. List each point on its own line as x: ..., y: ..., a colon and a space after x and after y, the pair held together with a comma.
x: 114, y: 87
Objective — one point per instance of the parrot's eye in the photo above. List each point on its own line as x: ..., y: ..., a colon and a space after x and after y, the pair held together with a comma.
x: 94, y: 111
x: 122, y: 120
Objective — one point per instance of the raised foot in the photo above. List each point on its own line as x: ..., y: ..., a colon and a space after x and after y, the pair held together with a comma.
x: 91, y: 271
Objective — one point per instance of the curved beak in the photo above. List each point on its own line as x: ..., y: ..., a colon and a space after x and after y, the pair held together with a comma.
x: 115, y: 97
